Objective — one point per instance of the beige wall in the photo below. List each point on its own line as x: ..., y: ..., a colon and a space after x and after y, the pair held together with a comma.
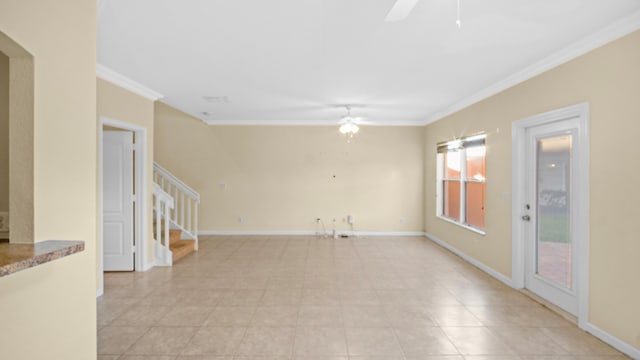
x: 4, y: 132
x: 281, y: 177
x: 48, y: 312
x: 609, y: 79
x: 119, y: 104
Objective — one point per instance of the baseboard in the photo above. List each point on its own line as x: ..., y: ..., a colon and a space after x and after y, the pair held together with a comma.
x: 147, y: 265
x: 306, y: 233
x: 470, y: 260
x: 99, y: 292
x: 615, y: 342
x: 620, y: 345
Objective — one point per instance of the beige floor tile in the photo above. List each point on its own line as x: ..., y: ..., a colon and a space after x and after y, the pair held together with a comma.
x: 199, y: 297
x: 108, y: 357
x: 280, y: 297
x: 111, y: 310
x: 408, y: 316
x: 477, y: 341
x: 262, y: 358
x: 115, y: 340
x: 147, y: 357
x: 438, y: 357
x: 268, y: 341
x: 372, y: 342
x: 498, y: 315
x: 313, y: 315
x: 251, y: 282
x: 314, y: 341
x: 578, y: 342
x: 365, y: 297
x: 437, y: 296
x: 163, y: 341
x: 241, y: 298
x: 322, y: 281
x: 494, y: 357
x: 398, y: 297
x: 141, y: 315
x: 215, y: 341
x: 528, y: 340
x: 424, y: 341
x: 286, y: 282
x: 275, y: 316
x: 574, y: 357
x: 320, y: 297
x: 539, y: 316
x: 364, y: 316
x: 183, y: 315
x: 230, y: 316
x: 452, y: 316
x: 204, y: 357
x: 370, y: 287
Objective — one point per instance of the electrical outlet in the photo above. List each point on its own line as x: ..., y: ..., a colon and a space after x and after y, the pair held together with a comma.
x: 350, y: 219
x: 402, y: 220
x: 240, y: 219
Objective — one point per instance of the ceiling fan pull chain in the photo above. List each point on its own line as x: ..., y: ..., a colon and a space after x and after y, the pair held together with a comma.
x: 458, y: 22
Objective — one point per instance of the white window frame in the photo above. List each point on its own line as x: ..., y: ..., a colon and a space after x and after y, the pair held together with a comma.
x: 459, y: 145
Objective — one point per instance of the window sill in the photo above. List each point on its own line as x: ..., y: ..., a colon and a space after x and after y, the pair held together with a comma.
x: 16, y: 257
x: 470, y: 228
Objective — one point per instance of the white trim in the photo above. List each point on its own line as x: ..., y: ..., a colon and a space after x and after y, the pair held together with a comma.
x: 99, y: 292
x: 148, y: 265
x: 116, y: 78
x: 225, y: 122
x: 307, y: 233
x: 469, y: 259
x: 465, y: 226
x: 141, y: 161
x: 581, y: 229
x: 606, y: 35
x: 618, y: 344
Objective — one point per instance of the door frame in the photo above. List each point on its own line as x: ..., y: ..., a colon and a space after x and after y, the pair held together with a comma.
x: 140, y: 214
x: 581, y: 195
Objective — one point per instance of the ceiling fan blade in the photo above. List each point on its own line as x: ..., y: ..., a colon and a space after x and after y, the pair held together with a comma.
x: 400, y: 10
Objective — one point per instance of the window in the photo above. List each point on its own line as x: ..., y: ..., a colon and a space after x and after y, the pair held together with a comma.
x: 461, y: 181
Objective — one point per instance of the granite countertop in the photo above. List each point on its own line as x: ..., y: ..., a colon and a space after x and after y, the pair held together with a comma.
x: 16, y: 257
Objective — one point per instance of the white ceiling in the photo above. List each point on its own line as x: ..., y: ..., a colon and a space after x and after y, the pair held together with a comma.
x: 297, y: 61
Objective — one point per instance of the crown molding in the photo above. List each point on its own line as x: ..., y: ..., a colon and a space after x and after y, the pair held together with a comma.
x: 307, y: 122
x: 116, y: 78
x: 606, y: 35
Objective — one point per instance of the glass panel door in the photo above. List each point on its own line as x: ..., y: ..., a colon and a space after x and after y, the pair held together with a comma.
x: 549, y: 213
x: 553, y: 235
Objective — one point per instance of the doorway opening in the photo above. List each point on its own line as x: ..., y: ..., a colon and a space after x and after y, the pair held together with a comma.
x: 135, y: 197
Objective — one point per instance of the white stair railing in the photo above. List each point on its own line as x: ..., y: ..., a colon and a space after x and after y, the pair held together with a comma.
x: 162, y: 205
x: 184, y: 214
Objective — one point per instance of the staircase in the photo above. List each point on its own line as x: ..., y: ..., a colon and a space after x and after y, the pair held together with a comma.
x: 175, y: 208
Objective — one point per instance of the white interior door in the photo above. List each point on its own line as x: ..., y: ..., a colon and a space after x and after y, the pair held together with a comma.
x: 551, y: 242
x: 117, y: 200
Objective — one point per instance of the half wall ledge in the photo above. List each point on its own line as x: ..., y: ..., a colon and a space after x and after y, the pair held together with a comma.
x: 16, y: 257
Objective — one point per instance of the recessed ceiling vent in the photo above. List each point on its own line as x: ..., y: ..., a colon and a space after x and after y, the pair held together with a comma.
x: 217, y: 99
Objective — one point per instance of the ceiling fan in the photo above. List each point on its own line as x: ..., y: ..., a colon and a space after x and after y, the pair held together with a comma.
x: 402, y: 8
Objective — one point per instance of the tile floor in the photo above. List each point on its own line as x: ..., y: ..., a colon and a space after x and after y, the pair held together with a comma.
x: 295, y: 298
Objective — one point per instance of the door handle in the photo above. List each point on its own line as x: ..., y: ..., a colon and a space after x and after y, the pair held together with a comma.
x: 526, y: 217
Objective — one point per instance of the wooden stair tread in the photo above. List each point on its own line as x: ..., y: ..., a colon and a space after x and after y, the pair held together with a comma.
x: 175, y: 235
x: 181, y: 248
